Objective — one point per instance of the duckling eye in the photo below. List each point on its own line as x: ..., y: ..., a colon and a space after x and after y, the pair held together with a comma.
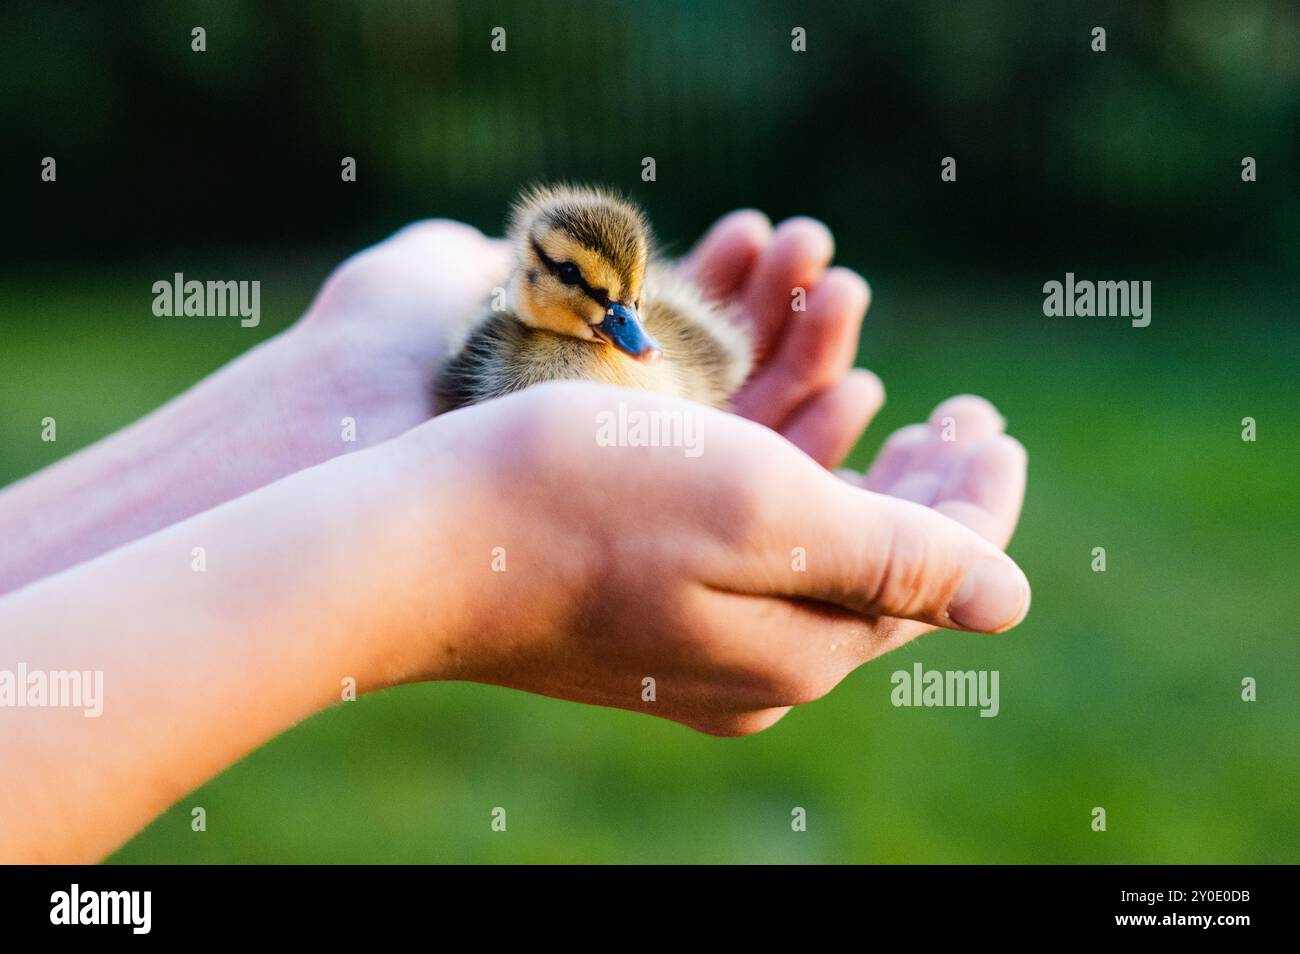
x: 569, y: 274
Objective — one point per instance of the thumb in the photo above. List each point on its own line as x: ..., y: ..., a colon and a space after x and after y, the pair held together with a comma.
x: 880, y: 556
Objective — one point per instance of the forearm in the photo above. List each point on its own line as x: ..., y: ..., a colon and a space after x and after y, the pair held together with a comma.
x: 227, y: 435
x: 307, y: 583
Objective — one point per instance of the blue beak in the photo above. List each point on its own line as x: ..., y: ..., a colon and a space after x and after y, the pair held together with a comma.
x: 622, y: 328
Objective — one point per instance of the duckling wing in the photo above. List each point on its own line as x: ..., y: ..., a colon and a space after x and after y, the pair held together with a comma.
x: 501, y: 355
x: 479, y: 370
x: 710, y: 351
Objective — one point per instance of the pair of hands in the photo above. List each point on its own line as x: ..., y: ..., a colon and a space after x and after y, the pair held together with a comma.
x: 744, y: 581
x: 503, y: 543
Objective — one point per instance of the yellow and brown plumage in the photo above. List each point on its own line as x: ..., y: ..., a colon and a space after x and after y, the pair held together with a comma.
x: 588, y: 301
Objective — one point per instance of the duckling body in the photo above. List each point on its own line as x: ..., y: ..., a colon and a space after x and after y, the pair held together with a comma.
x: 587, y: 303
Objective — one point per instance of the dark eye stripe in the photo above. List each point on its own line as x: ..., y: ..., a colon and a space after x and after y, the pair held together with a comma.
x: 599, y: 295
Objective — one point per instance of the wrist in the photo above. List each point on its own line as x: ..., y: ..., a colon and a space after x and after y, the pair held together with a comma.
x: 232, y: 433
x: 448, y: 567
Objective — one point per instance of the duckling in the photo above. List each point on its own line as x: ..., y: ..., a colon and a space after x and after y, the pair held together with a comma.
x: 588, y: 300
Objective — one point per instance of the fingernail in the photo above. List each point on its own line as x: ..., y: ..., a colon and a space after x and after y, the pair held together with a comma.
x: 994, y: 596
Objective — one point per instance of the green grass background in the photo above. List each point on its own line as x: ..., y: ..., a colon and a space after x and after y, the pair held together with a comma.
x: 1121, y: 690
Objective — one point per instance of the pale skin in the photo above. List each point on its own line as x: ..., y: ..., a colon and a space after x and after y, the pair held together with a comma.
x: 621, y: 562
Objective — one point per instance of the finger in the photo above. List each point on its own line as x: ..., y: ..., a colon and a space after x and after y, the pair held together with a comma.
x: 818, y: 346
x: 965, y: 419
x: 828, y: 424
x: 800, y: 250
x: 954, y: 425
x: 918, y: 486
x: 913, y: 462
x: 895, y: 457
x: 912, y: 563
x: 723, y: 258
x: 736, y: 724
x: 986, y: 490
x: 983, y: 488
x: 879, y: 556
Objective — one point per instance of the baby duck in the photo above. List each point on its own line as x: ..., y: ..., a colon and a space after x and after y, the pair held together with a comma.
x: 587, y: 300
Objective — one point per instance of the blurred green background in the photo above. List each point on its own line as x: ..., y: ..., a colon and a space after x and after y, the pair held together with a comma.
x: 1121, y: 690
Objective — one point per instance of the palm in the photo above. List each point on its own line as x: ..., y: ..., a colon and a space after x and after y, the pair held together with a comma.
x: 388, y: 316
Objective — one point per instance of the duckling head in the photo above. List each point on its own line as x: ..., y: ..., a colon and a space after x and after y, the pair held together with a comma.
x: 580, y: 264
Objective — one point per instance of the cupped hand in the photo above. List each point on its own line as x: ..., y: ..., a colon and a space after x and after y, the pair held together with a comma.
x: 387, y: 317
x: 716, y: 579
x: 385, y: 320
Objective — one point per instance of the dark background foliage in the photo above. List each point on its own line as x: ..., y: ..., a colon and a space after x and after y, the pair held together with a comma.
x: 1117, y: 157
